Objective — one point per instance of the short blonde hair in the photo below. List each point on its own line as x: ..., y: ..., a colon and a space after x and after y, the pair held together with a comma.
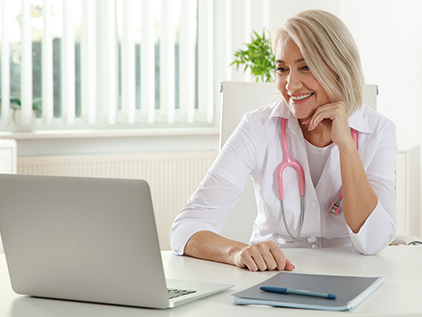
x: 330, y: 53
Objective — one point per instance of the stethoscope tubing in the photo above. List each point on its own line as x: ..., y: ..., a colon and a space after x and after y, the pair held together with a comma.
x: 288, y: 161
x: 286, y: 225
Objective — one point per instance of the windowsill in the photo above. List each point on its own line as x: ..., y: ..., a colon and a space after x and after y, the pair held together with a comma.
x: 109, y: 141
x: 108, y: 133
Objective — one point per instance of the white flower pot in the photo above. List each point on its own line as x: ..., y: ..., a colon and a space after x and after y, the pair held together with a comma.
x: 16, y: 122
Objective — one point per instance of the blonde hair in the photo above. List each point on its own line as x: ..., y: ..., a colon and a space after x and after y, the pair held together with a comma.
x: 330, y: 53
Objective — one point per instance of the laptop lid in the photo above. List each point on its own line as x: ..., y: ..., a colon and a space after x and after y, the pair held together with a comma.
x: 85, y: 239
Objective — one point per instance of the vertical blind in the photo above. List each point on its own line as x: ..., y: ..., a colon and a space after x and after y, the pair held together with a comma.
x: 110, y: 63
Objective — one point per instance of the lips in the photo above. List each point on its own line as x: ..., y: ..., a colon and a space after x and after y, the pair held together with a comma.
x: 301, y: 97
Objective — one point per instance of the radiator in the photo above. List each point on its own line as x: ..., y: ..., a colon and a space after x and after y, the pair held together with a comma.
x: 173, y: 177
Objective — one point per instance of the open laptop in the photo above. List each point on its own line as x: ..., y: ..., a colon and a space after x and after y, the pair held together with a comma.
x: 87, y: 239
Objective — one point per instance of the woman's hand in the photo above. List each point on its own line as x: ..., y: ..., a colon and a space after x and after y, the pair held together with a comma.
x: 258, y: 257
x: 263, y: 256
x: 359, y: 199
x: 333, y: 118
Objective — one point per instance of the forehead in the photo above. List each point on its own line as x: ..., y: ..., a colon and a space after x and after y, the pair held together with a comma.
x: 287, y: 49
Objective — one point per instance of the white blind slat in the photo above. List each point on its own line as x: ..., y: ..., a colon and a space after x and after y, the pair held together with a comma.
x: 248, y: 31
x: 266, y: 14
x: 88, y: 62
x: 128, y: 62
x: 206, y: 60
x: 5, y: 65
x: 228, y: 42
x: 47, y: 65
x: 26, y: 63
x: 148, y: 62
x: 167, y: 63
x: 68, y: 63
x: 107, y: 61
x: 187, y: 60
x: 111, y: 75
x: 102, y: 67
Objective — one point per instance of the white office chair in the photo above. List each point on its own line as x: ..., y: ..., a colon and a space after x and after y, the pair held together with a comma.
x: 237, y: 98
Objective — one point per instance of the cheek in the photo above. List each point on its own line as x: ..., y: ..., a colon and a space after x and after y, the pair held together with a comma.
x: 323, y: 96
x: 327, y: 98
x: 281, y: 85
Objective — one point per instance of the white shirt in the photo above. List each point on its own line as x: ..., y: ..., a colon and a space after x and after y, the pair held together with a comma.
x: 317, y: 157
x: 254, y: 149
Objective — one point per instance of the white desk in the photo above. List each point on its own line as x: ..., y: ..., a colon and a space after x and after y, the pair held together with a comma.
x: 400, y: 295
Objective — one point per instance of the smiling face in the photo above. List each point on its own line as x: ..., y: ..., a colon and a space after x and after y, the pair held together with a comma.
x: 298, y: 86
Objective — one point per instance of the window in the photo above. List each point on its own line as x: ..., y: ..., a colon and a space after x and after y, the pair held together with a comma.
x: 110, y: 63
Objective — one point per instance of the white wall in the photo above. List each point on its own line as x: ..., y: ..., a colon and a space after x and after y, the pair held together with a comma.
x: 389, y: 36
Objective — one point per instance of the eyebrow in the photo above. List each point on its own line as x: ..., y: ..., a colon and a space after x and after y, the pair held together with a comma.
x: 296, y: 61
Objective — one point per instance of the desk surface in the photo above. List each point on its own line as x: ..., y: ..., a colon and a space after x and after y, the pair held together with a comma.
x: 400, y: 295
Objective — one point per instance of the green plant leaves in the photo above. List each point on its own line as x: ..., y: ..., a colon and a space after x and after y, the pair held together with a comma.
x: 258, y: 57
x: 15, y: 104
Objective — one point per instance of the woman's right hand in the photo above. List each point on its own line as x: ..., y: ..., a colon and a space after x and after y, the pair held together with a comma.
x: 263, y: 256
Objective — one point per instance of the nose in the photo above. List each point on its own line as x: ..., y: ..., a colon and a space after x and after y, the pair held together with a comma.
x: 293, y: 81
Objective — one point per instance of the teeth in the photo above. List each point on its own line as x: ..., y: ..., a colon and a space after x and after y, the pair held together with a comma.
x: 298, y: 98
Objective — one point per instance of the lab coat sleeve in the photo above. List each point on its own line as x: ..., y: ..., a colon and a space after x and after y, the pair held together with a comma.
x: 210, y: 205
x: 379, y: 228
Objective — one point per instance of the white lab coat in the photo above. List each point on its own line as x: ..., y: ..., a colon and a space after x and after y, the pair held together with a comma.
x: 254, y: 150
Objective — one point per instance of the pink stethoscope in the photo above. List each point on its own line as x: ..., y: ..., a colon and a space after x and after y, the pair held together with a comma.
x: 288, y: 161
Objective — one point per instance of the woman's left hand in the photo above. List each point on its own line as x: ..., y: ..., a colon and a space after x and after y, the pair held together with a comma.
x: 359, y: 199
x: 333, y: 117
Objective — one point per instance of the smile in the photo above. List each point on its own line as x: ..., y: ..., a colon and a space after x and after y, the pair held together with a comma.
x: 299, y: 98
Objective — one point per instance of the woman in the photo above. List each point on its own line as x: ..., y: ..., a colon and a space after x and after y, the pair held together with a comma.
x: 319, y: 76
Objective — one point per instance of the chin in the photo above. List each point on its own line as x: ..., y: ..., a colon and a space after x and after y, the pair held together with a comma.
x: 299, y: 114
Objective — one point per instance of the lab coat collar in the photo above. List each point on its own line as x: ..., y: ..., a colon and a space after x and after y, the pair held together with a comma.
x: 281, y: 109
x: 356, y: 121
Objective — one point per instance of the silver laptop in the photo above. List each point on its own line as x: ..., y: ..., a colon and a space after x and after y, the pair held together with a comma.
x: 87, y: 239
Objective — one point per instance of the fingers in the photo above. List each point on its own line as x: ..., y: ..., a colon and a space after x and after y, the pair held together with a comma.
x: 333, y: 118
x: 289, y: 266
x: 265, y: 256
x: 332, y: 112
x: 282, y: 262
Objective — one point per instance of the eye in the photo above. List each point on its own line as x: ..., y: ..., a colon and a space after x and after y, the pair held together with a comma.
x: 282, y: 69
x: 305, y: 68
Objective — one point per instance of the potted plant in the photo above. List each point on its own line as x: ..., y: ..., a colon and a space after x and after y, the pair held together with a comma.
x: 258, y: 57
x: 15, y: 105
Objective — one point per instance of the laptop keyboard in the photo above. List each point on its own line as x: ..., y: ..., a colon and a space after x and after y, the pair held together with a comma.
x: 174, y: 292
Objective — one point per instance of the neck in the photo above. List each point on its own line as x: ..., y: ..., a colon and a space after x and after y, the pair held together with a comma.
x: 317, y: 137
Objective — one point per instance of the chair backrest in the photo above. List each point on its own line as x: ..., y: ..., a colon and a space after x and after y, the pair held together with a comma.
x: 237, y: 98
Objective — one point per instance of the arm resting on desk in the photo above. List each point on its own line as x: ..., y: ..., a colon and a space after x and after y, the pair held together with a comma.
x: 261, y: 256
